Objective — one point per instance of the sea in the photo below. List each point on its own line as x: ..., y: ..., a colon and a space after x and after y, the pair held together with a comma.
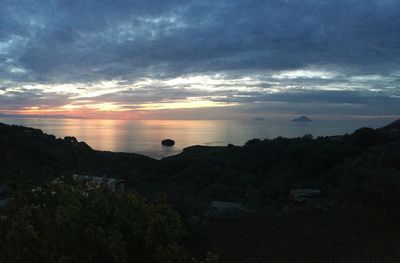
x: 145, y: 136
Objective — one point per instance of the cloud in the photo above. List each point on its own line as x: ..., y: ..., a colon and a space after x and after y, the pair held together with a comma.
x: 331, y: 52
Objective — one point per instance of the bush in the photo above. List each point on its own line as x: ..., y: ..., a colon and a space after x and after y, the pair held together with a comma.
x: 84, y: 222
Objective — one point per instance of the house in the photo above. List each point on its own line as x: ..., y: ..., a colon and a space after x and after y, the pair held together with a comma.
x: 114, y: 184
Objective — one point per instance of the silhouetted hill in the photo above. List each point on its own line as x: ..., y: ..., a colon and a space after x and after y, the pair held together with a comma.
x: 27, y: 153
x: 357, y: 176
x: 393, y: 125
x: 235, y: 173
x: 392, y: 130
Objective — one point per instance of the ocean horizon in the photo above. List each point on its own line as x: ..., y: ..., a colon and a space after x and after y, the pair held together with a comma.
x: 145, y: 136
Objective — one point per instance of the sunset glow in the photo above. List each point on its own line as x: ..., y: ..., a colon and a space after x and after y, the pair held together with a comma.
x: 134, y: 62
x: 199, y: 131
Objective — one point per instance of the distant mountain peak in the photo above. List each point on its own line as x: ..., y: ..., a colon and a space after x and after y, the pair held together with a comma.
x: 302, y: 119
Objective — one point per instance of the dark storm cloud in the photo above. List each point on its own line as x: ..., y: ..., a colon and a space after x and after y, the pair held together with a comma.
x: 90, y: 40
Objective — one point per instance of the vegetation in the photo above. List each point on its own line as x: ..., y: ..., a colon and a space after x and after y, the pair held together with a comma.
x: 358, y: 175
x: 85, y: 222
x: 263, y: 172
x: 27, y: 154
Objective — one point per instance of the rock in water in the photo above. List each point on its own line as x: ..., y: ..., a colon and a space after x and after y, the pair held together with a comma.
x: 168, y: 142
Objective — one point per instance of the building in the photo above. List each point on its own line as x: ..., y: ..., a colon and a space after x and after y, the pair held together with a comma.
x: 114, y: 184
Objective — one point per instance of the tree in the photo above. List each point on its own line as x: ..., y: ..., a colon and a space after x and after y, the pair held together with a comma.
x: 70, y: 139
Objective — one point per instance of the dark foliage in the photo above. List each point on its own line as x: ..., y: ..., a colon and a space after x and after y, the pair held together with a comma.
x: 85, y: 222
x: 356, y: 172
x: 260, y: 172
x: 29, y: 154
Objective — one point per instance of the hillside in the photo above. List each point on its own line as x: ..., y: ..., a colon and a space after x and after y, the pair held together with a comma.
x: 29, y: 154
x: 258, y: 173
x: 357, y: 176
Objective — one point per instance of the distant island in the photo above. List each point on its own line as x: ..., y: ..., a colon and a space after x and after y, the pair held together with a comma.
x: 258, y: 119
x: 302, y: 119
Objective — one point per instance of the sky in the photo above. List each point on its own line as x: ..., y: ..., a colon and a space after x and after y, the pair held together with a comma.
x: 224, y: 59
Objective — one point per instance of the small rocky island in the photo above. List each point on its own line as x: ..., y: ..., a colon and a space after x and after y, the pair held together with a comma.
x: 168, y: 142
x: 302, y: 119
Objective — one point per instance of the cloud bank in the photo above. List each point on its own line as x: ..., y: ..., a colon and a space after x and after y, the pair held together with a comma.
x: 236, y: 58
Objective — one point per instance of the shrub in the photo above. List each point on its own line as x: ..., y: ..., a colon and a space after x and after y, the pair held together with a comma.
x: 85, y: 222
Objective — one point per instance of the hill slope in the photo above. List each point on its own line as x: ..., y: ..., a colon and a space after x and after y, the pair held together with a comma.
x: 27, y: 153
x: 355, y: 216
